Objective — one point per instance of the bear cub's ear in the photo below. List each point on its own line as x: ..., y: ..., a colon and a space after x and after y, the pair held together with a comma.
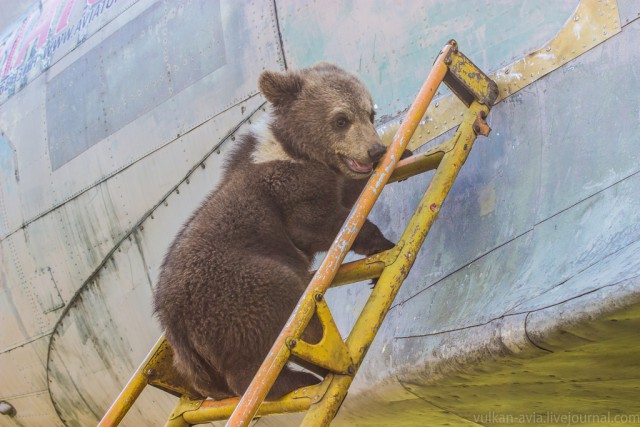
x: 280, y: 88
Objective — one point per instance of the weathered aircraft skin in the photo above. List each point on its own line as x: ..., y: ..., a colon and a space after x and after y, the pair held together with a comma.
x: 522, y: 308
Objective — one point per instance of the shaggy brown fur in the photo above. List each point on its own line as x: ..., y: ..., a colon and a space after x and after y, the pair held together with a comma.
x: 239, y: 265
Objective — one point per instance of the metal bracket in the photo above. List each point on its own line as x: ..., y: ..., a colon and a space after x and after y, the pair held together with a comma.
x: 315, y: 392
x: 160, y: 372
x: 386, y: 257
x: 330, y: 352
x: 480, y: 126
x: 185, y: 404
x: 466, y: 80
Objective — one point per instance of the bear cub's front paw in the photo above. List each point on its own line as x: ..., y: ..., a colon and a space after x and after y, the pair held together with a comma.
x: 384, y: 245
x: 381, y: 245
x: 406, y: 153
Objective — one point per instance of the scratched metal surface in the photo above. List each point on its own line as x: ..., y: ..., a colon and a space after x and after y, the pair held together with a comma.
x: 390, y: 43
x: 87, y: 96
x: 250, y: 43
x: 525, y: 297
x: 543, y: 212
x: 44, y: 33
x: 59, y: 225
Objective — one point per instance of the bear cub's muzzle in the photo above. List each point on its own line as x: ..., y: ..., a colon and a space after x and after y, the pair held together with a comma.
x: 376, y: 152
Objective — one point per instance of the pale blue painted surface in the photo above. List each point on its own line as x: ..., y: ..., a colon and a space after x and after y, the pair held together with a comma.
x: 96, y: 96
x: 9, y: 175
x: 391, y: 45
x: 535, y: 303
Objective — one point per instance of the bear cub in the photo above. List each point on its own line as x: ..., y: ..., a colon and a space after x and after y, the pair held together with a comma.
x: 237, y: 268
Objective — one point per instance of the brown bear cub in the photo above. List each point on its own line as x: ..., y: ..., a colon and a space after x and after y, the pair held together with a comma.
x: 237, y: 268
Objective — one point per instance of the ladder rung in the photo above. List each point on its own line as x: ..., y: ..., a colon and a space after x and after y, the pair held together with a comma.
x: 357, y: 271
x: 366, y: 268
x: 204, y: 411
x: 417, y: 164
x: 212, y: 410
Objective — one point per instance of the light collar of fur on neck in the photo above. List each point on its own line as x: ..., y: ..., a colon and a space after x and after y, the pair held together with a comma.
x: 268, y: 148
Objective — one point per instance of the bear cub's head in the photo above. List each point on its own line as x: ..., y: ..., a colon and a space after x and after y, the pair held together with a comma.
x: 325, y: 114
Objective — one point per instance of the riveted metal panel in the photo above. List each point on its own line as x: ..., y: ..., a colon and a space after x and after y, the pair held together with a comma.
x: 23, y: 124
x: 617, y: 267
x: 96, y: 95
x: 200, y: 87
x: 77, y: 344
x: 580, y: 255
x: 117, y: 302
x: 68, y: 221
x: 558, y: 216
x: 53, y: 257
x: 390, y: 45
x: 629, y: 11
x: 28, y: 369
x: 35, y: 409
x: 490, y: 203
x: 591, y: 23
x: 22, y: 302
x: 45, y: 33
x: 462, y: 315
x: 559, y: 259
x: 592, y: 117
x: 9, y: 196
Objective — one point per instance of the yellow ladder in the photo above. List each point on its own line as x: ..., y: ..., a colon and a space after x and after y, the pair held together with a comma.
x: 342, y: 358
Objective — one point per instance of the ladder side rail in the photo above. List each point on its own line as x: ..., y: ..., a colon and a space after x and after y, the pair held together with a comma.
x: 279, y: 353
x: 130, y: 392
x: 382, y: 296
x: 125, y: 400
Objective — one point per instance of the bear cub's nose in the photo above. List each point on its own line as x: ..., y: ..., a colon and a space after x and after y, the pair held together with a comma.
x: 377, y: 151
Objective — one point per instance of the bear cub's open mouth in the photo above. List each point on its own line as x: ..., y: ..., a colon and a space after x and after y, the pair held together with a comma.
x: 358, y: 167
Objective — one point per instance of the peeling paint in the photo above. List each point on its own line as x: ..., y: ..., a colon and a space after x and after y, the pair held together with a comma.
x: 512, y: 78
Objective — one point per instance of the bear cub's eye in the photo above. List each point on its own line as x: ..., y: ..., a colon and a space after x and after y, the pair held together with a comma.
x: 342, y: 121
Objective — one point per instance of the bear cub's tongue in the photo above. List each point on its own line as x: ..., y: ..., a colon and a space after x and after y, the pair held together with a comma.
x: 359, y: 167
